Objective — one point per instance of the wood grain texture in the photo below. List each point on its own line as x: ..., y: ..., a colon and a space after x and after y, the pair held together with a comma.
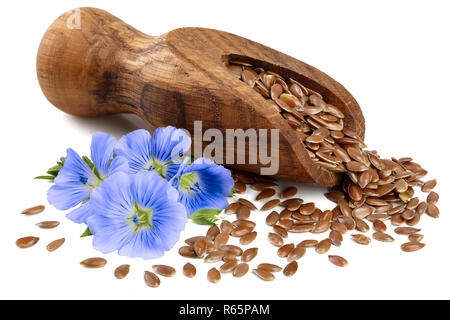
x: 108, y: 67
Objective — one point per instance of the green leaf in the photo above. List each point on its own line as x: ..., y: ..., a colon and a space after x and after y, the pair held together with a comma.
x: 233, y: 193
x: 53, y: 171
x: 91, y: 165
x: 86, y: 233
x: 205, y: 216
x: 50, y: 178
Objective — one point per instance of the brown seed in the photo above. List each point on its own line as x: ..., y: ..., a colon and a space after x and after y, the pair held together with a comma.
x: 33, y: 210
x: 259, y: 186
x: 356, y: 166
x: 412, y: 246
x: 192, y: 240
x: 163, y: 270
x: 248, y: 238
x: 269, y: 267
x: 408, y: 214
x: 240, y: 270
x: 243, y: 222
x: 272, y: 218
x: 263, y: 274
x: 55, y: 244
x: 321, y: 226
x: 396, y: 219
x: 340, y: 227
x: 335, y: 196
x: 296, y: 253
x: 415, y: 237
x: 361, y: 226
x: 429, y: 185
x: 226, y: 226
x: 228, y: 266
x: 229, y: 248
x: 266, y: 193
x: 401, y: 185
x: 432, y: 197
x: 200, y: 247
x: 323, y: 246
x: 122, y: 271
x: 189, y: 270
x: 348, y: 222
x: 243, y: 212
x: 309, y: 243
x: 281, y: 231
x: 432, y: 210
x: 379, y: 225
x: 381, y: 236
x: 290, y: 269
x: 362, y: 212
x: 151, y: 279
x: 240, y: 187
x: 289, y: 192
x: 249, y: 254
x: 285, y: 214
x: 307, y: 208
x: 357, y: 154
x: 232, y: 208
x: 187, y: 252
x: 283, y: 251
x: 406, y: 230
x: 215, y: 256
x: 93, y: 263
x: 380, y: 216
x: 275, y: 239
x: 26, y: 242
x: 292, y: 204
x: 396, y: 209
x: 229, y: 257
x: 270, y: 204
x: 247, y: 203
x: 240, y: 231
x: 212, y: 232
x: 302, y: 228
x: 213, y: 275
x: 421, y: 208
x: 414, y: 220
x: 355, y: 192
x: 360, y: 239
x: 335, y: 238
x: 337, y: 261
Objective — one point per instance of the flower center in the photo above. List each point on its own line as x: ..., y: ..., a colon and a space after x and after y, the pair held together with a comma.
x: 189, y: 183
x: 158, y: 166
x: 140, y: 218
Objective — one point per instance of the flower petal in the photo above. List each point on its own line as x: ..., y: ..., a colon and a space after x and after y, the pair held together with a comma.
x: 80, y: 214
x: 68, y: 195
x: 102, y: 147
x: 112, y: 204
x: 170, y: 143
x: 136, y: 147
x: 215, y: 184
x: 118, y: 164
x: 75, y: 170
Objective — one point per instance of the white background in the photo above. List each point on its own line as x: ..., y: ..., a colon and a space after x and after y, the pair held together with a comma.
x: 393, y: 56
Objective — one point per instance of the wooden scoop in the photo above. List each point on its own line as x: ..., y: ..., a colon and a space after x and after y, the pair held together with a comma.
x: 106, y: 66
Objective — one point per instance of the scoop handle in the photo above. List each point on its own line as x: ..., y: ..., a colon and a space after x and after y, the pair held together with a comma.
x: 86, y: 61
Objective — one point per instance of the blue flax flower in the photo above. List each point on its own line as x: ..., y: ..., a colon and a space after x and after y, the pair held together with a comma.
x: 162, y: 153
x: 139, y: 215
x: 203, y: 184
x: 76, y: 180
